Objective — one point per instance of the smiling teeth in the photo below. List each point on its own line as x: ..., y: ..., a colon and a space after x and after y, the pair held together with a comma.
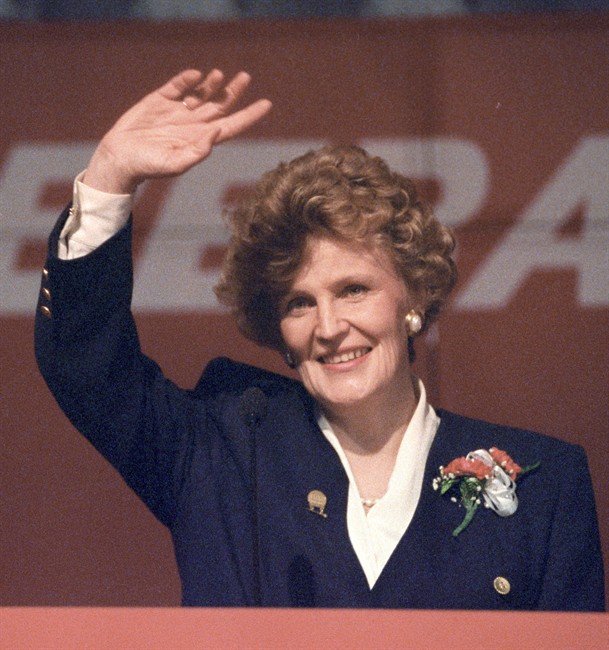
x: 346, y: 356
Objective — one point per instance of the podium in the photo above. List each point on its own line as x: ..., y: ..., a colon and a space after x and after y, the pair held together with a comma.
x: 270, y: 629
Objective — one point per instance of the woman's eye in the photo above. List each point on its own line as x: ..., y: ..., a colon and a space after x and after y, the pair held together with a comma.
x: 355, y: 290
x: 296, y: 304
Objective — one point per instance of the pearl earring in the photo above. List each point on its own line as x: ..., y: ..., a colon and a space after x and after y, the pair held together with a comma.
x: 289, y: 359
x: 414, y: 322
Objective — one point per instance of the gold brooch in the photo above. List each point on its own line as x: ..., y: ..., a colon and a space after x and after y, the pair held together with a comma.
x: 317, y: 502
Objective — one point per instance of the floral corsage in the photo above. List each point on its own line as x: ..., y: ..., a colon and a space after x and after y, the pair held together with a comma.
x: 488, y: 474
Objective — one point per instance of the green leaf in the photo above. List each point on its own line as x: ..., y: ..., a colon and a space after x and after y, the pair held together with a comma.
x: 530, y: 468
x: 446, y: 485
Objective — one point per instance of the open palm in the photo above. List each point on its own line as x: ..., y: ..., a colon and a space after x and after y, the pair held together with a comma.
x: 172, y: 129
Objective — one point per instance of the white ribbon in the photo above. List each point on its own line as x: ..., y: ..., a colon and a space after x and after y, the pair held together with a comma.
x: 499, y: 490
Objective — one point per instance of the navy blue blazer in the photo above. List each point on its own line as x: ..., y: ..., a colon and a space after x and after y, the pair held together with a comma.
x: 239, y: 541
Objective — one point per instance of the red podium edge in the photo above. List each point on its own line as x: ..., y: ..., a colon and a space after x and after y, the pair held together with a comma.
x: 134, y: 628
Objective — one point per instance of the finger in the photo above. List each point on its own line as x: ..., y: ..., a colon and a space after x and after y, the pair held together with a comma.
x: 223, y: 97
x: 233, y: 91
x: 198, y: 95
x: 210, y: 85
x: 235, y: 88
x: 237, y: 122
x: 181, y: 84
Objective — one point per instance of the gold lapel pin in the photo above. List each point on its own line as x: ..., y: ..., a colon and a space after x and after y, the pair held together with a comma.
x: 317, y: 502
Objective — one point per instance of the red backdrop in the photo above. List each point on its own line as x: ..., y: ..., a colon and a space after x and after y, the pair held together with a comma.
x: 503, y: 120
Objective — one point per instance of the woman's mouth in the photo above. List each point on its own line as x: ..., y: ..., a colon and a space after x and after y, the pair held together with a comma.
x: 344, y: 357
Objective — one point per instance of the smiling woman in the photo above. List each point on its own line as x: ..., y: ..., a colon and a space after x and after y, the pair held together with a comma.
x: 348, y: 335
x: 317, y: 492
x: 336, y: 263
x: 339, y: 192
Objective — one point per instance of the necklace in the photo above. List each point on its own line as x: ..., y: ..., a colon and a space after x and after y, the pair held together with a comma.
x: 368, y: 503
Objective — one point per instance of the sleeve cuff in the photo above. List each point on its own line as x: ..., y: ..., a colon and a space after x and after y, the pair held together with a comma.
x: 94, y: 217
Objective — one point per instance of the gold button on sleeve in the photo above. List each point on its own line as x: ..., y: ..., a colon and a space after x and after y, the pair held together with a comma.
x: 502, y: 585
x: 45, y: 311
x: 45, y: 273
x: 46, y: 293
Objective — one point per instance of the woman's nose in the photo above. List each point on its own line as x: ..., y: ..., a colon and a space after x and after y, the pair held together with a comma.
x: 330, y: 322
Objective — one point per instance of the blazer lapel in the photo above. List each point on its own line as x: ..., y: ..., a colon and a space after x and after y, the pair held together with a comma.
x: 321, y: 564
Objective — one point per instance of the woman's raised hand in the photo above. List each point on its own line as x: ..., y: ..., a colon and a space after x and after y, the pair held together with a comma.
x: 171, y: 130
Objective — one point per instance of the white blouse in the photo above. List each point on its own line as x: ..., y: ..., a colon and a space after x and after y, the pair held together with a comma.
x: 375, y: 535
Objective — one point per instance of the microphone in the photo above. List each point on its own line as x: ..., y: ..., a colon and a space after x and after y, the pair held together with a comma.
x: 253, y: 407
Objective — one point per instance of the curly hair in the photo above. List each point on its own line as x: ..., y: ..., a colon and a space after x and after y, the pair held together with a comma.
x: 338, y: 191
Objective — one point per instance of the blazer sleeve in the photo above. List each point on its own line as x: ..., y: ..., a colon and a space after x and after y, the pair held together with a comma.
x: 88, y: 352
x: 573, y: 579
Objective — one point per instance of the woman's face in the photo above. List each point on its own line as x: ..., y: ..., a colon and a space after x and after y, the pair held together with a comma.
x: 343, y: 323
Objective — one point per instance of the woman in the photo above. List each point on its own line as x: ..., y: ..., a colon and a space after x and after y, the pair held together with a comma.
x: 320, y: 492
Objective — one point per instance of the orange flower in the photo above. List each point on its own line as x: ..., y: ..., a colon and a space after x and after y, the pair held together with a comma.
x: 504, y: 460
x: 464, y: 467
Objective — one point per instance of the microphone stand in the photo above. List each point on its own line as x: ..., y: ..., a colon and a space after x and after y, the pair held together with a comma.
x: 253, y: 409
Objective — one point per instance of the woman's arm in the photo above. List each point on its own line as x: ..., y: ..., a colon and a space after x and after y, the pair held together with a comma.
x: 86, y: 341
x: 89, y: 354
x: 573, y: 579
